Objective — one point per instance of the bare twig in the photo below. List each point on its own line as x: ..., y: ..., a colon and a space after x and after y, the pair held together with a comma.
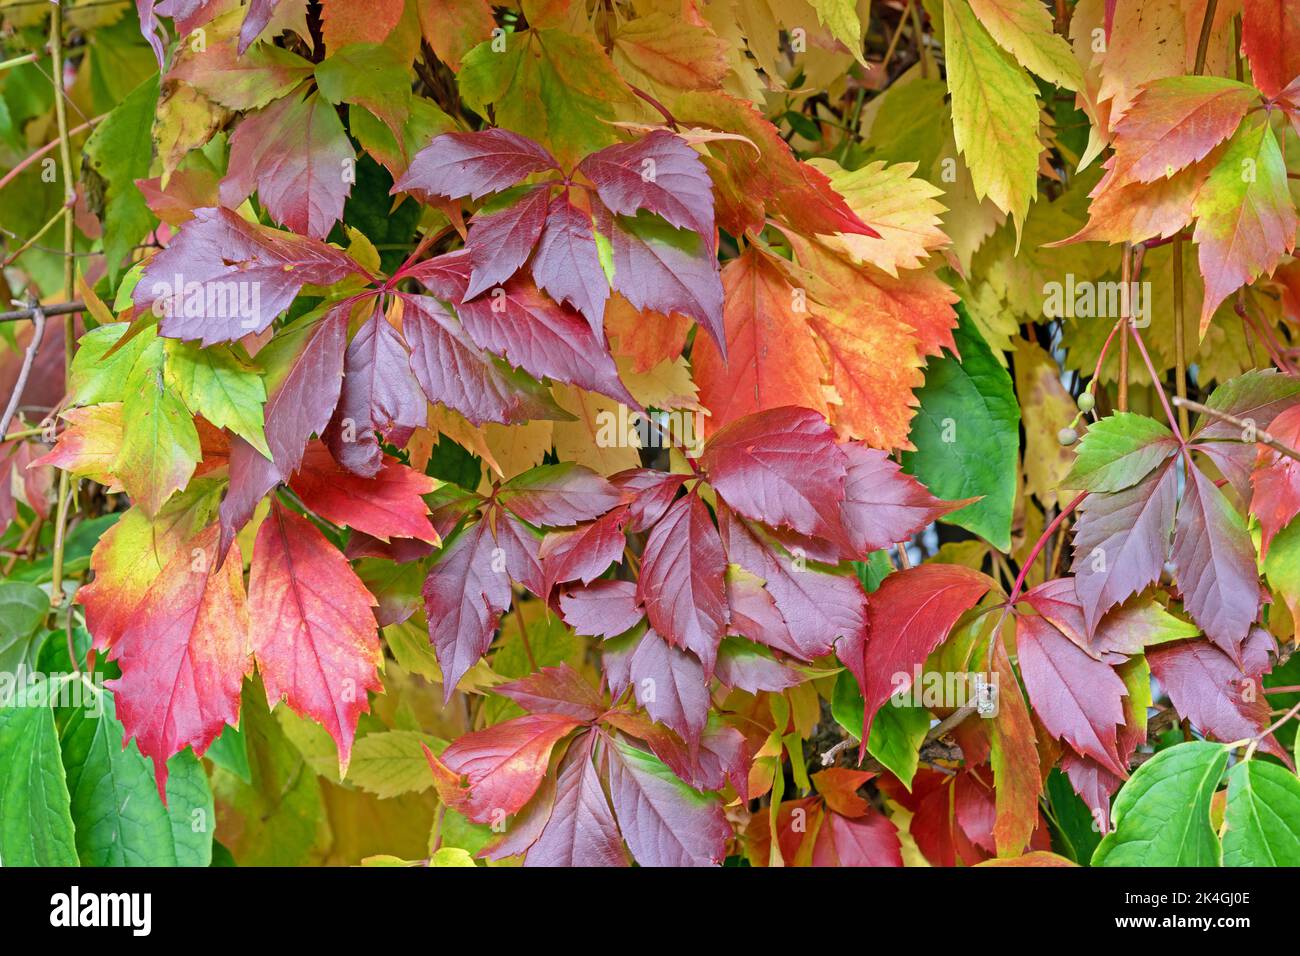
x: 63, y: 308
x: 1261, y: 437
x: 29, y: 359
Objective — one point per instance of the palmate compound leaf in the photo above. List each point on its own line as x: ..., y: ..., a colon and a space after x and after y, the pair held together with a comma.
x: 313, y: 633
x: 1162, y: 815
x: 1262, y: 817
x: 908, y: 616
x: 652, y: 208
x: 222, y: 277
x: 581, y: 830
x: 452, y: 370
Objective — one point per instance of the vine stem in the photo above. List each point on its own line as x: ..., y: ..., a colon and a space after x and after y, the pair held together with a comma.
x: 1180, y: 343
x: 1126, y: 279
x: 69, y: 285
x: 1261, y: 437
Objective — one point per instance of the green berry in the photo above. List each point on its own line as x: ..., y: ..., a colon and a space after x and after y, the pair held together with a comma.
x: 1067, y: 436
x: 1087, y: 402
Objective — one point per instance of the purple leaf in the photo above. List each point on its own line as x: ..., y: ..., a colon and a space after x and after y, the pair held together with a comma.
x: 456, y: 165
x: 670, y: 684
x: 602, y: 609
x: 500, y: 241
x: 567, y: 264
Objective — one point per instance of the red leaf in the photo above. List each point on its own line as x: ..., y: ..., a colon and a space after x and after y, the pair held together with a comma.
x: 871, y: 840
x: 296, y: 154
x: 581, y: 830
x: 602, y: 609
x: 651, y: 493
x: 222, y: 278
x: 659, y: 173
x: 1270, y: 34
x: 660, y: 270
x: 555, y: 690
x: 520, y: 547
x: 379, y: 394
x: 185, y: 655
x: 1121, y: 541
x: 781, y: 467
x: 670, y: 684
x: 454, y: 371
x: 1215, y: 563
x: 883, y: 506
x: 567, y: 264
x: 501, y: 241
x: 681, y: 584
x: 1218, y: 697
x: 1175, y: 122
x: 585, y: 552
x: 908, y: 616
x: 465, y: 595
x: 456, y: 165
x: 385, y: 506
x: 556, y: 495
x: 664, y: 822
x: 1276, y: 480
x: 543, y: 338
x: 1077, y: 698
x: 816, y: 607
x: 314, y: 632
x: 502, y: 765
x: 297, y: 408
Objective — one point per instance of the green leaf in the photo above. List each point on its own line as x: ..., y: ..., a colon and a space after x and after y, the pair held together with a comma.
x: 160, y: 445
x: 22, y: 610
x: 840, y: 17
x: 220, y: 385
x: 550, y: 85
x: 230, y: 752
x: 1161, y: 815
x: 1119, y: 451
x: 392, y: 762
x: 994, y: 113
x: 1075, y: 825
x: 967, y: 436
x: 35, y: 824
x: 1024, y: 29
x: 1263, y: 816
x: 119, y: 151
x: 99, y: 377
x: 896, y: 733
x: 121, y: 820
